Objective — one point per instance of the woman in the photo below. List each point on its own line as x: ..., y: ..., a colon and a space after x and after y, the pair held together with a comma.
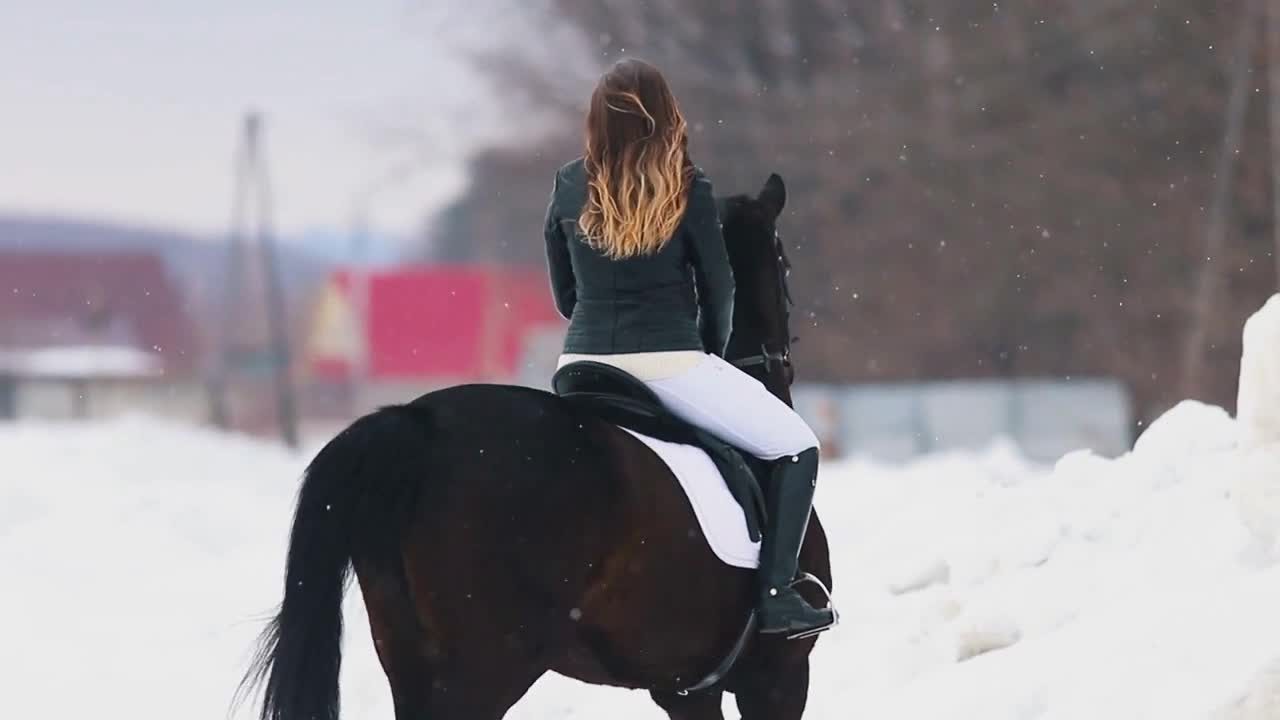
x: 639, y: 267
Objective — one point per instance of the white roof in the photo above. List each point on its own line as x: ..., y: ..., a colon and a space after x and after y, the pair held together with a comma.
x: 81, y: 361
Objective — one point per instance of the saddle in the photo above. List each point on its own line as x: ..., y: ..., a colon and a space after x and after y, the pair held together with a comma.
x: 619, y: 398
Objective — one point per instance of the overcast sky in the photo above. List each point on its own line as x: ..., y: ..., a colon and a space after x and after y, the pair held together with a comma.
x: 128, y: 109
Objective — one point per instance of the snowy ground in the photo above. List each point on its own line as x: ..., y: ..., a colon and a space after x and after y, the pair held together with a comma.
x: 138, y: 558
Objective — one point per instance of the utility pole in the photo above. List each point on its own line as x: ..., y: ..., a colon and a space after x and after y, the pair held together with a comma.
x: 1209, y: 277
x: 239, y: 350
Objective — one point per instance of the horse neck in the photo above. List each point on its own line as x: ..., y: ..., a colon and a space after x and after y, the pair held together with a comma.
x: 776, y: 383
x: 753, y: 321
x: 745, y: 342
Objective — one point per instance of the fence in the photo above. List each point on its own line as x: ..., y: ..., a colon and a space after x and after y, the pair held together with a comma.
x: 1045, y: 418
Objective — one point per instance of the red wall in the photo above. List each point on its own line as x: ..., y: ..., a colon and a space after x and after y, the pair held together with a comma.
x: 437, y: 321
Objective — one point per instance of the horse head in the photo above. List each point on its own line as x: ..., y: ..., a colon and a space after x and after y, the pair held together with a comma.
x: 761, y: 339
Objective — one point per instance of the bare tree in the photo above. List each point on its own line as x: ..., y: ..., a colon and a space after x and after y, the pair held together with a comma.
x: 976, y: 187
x: 1210, y: 276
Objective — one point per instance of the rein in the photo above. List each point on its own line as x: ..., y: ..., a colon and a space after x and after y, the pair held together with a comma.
x: 779, y: 358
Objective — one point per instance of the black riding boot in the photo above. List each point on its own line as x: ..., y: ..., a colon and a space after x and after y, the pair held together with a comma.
x: 789, y: 500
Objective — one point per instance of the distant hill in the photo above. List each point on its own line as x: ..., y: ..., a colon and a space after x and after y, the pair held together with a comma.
x: 190, y: 256
x: 198, y: 264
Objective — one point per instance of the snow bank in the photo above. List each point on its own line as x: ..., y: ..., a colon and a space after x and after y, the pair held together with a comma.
x: 1258, y: 401
x: 1100, y: 589
x: 1256, y: 485
x: 140, y: 556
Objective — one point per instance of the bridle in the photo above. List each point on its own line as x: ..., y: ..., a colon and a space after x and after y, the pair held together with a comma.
x: 778, y: 357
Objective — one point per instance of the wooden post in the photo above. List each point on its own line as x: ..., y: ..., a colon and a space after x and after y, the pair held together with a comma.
x: 8, y: 396
x: 79, y: 388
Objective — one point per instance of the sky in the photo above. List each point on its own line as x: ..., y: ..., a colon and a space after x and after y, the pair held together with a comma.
x: 128, y: 110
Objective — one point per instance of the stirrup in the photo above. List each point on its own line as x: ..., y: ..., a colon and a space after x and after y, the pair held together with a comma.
x: 810, y: 578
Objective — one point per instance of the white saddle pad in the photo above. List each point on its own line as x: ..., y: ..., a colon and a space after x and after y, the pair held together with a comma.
x: 722, y: 519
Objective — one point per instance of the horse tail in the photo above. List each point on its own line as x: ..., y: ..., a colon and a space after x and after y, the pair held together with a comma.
x: 353, y: 502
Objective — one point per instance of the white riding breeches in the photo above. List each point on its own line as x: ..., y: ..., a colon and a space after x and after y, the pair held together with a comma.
x: 730, y: 404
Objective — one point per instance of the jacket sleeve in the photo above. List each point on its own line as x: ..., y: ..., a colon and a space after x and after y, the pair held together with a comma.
x: 564, y: 288
x: 712, y: 272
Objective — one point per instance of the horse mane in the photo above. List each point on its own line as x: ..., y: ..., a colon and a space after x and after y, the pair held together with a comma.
x: 761, y: 322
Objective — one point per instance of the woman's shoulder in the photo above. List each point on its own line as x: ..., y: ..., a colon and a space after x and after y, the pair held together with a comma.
x: 701, y: 183
x: 573, y: 170
x: 571, y: 187
x: 701, y: 180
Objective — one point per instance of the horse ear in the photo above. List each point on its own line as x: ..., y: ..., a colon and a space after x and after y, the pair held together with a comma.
x: 774, y: 194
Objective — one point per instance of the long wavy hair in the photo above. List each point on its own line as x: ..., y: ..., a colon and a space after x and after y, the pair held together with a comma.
x: 637, y: 163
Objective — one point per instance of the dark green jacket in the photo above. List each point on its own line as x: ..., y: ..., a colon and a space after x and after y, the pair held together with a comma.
x: 679, y: 298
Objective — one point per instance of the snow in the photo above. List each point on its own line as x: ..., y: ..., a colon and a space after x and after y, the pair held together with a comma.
x: 140, y: 557
x: 1257, y: 478
x: 80, y: 362
x: 1258, y: 401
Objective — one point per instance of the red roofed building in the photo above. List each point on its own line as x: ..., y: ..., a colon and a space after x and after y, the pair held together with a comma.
x: 430, y: 326
x: 111, y: 322
x: 117, y: 300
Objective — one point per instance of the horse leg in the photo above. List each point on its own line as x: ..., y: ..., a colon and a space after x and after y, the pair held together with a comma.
x: 774, y: 693
x: 699, y: 706
x: 478, y: 692
x: 463, y: 693
x: 403, y: 651
x: 480, y: 681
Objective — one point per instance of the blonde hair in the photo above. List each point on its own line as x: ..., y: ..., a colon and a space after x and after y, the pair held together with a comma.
x: 637, y: 163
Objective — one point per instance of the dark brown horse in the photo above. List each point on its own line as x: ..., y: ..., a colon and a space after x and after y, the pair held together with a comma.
x: 499, y: 533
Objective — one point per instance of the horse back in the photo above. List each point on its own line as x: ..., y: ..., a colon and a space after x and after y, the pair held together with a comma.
x: 574, y: 537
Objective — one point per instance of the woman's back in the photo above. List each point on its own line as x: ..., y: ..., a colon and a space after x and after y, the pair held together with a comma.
x: 644, y: 302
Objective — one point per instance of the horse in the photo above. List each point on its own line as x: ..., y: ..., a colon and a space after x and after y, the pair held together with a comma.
x: 498, y: 533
